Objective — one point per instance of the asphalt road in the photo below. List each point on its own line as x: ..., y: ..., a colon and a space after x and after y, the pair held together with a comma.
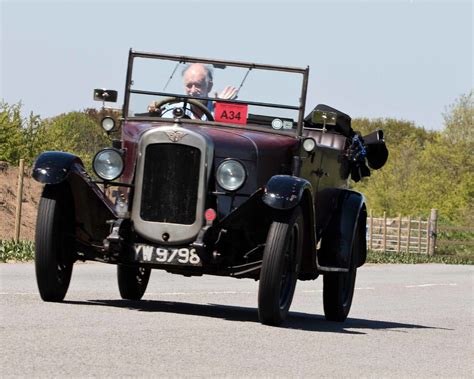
x: 406, y: 320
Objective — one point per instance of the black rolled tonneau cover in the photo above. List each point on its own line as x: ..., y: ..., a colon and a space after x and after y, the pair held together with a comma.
x: 343, y: 121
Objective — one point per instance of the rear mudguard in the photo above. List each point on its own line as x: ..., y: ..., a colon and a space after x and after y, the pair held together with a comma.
x: 340, y: 215
x: 92, y: 207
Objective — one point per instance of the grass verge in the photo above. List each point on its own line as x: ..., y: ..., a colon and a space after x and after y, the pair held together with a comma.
x: 377, y: 257
x: 24, y: 251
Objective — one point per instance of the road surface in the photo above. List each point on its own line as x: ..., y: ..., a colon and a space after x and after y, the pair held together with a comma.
x: 406, y: 320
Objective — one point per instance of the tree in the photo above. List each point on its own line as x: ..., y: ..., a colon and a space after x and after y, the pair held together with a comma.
x: 449, y: 161
x: 393, y: 188
x: 425, y: 169
x: 26, y: 137
x: 19, y: 137
x: 459, y: 120
x: 77, y: 133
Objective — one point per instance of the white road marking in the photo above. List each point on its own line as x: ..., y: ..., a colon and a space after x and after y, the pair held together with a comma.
x: 356, y: 288
x: 244, y: 292
x: 156, y: 293
x: 431, y: 285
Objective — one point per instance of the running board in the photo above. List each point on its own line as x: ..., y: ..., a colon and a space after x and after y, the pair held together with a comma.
x: 329, y: 269
x: 246, y: 268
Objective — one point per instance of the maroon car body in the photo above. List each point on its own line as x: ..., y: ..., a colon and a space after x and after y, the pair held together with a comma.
x: 266, y: 198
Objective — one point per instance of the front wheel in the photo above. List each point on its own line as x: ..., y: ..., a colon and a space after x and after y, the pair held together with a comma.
x: 279, y: 272
x: 54, y: 242
x: 132, y: 281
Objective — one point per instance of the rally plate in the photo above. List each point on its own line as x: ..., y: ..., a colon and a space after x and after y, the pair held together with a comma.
x: 167, y: 255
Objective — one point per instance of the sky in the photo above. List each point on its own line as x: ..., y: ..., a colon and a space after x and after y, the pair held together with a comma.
x: 400, y: 59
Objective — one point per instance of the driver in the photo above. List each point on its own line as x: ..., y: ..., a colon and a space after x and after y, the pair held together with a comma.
x: 198, y: 81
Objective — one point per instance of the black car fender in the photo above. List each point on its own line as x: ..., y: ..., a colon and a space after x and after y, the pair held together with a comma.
x: 53, y: 167
x: 92, y: 207
x: 285, y: 192
x: 342, y: 214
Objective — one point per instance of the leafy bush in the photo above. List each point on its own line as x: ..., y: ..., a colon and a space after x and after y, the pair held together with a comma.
x: 21, y: 251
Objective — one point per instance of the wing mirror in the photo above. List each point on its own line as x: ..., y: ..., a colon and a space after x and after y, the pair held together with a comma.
x: 105, y: 95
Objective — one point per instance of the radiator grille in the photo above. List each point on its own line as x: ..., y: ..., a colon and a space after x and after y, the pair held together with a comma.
x: 170, y: 183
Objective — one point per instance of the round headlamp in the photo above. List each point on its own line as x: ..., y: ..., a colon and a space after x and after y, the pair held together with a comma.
x: 108, y: 164
x: 231, y: 175
x: 108, y: 124
x: 309, y: 144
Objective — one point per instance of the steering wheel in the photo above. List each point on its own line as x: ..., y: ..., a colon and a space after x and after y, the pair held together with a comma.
x: 174, y: 100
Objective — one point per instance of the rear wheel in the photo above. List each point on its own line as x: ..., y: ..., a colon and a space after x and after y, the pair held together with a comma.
x: 54, y: 240
x: 338, y: 288
x: 132, y: 281
x: 279, y: 270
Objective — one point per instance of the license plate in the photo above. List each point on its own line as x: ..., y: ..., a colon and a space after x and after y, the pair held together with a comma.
x: 167, y: 255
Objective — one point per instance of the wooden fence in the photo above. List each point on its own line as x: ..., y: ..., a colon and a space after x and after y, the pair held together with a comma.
x: 402, y: 234
x: 463, y: 238
x: 413, y: 234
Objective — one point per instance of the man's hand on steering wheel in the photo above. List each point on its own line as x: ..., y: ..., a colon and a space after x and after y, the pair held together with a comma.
x: 155, y: 107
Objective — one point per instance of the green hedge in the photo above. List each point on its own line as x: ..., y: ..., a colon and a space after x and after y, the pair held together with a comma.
x: 22, y: 251
x: 377, y: 257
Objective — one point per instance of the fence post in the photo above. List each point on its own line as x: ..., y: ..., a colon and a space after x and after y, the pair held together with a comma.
x: 433, y: 230
x: 371, y: 230
x: 19, y: 198
x: 419, y: 235
x: 399, y: 242
x: 428, y: 238
x: 409, y: 234
x: 384, y: 231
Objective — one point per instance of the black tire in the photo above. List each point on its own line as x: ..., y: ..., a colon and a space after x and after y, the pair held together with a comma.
x: 279, y: 272
x: 55, y: 242
x: 338, y: 288
x: 132, y: 281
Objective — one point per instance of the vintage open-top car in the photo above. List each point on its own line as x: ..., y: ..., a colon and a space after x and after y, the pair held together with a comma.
x: 243, y: 186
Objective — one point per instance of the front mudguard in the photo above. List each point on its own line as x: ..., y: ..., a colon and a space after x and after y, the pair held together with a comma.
x: 341, y: 214
x: 93, y: 209
x: 53, y: 167
x: 273, y: 202
x: 283, y: 193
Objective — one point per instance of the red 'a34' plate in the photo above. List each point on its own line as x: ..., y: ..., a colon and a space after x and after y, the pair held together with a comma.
x: 231, y: 113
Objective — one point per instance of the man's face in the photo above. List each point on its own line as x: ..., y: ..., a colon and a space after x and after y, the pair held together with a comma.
x: 195, y: 81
